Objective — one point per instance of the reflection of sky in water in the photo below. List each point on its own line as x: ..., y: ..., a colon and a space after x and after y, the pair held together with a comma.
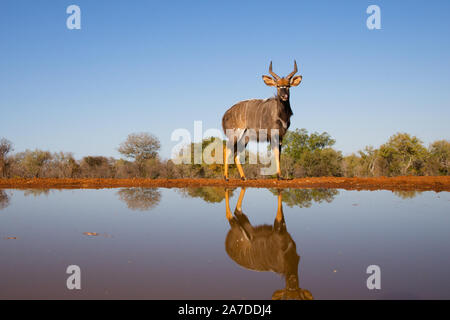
x: 175, y: 247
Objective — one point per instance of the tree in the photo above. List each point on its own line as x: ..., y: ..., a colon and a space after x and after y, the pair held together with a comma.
x: 403, y: 154
x: 95, y: 167
x: 312, y: 154
x: 211, y: 158
x: 31, y: 163
x: 124, y: 169
x: 5, y: 148
x: 368, y: 161
x: 351, y: 166
x: 140, y: 146
x: 439, y: 158
x: 296, y: 143
x: 322, y: 162
x: 63, y: 165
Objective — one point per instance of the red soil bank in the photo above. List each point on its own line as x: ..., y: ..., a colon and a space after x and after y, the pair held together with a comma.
x: 438, y: 183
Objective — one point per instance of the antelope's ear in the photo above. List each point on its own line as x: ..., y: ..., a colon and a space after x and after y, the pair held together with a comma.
x: 269, y: 81
x: 296, y: 81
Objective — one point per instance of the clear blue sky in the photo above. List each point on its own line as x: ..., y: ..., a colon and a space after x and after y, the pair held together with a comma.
x: 157, y: 66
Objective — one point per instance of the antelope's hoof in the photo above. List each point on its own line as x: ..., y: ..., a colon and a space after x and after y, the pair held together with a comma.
x: 279, y: 178
x: 225, y: 178
x: 243, y: 178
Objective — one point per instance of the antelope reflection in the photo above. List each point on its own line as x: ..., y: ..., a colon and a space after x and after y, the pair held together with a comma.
x: 265, y: 248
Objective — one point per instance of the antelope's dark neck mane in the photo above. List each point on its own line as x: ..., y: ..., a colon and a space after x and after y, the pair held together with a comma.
x: 284, y: 105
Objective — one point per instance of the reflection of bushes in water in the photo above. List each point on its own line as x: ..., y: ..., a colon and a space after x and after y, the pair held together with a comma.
x: 303, y: 198
x: 36, y: 192
x: 140, y: 198
x: 208, y: 194
x: 407, y: 194
x: 4, y: 200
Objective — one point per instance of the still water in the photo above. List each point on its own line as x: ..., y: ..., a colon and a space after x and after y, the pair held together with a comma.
x: 189, y: 244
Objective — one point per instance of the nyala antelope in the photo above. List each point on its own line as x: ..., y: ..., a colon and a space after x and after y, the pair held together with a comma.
x: 257, y: 115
